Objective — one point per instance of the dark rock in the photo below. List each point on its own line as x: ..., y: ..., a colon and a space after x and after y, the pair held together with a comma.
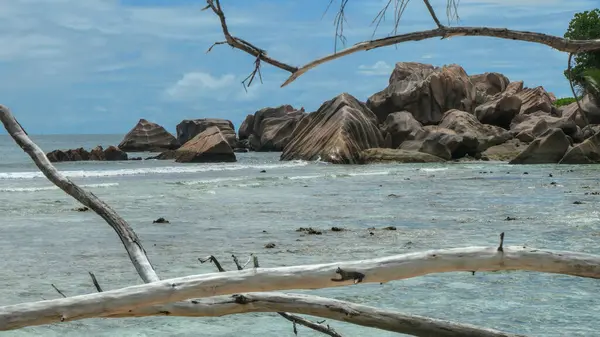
x: 269, y: 129
x: 161, y: 220
x: 428, y: 145
x: 113, y: 153
x: 548, y: 148
x: 148, y: 136
x: 508, y: 218
x: 389, y: 228
x: 587, y: 152
x: 270, y: 245
x: 309, y: 231
x: 399, y: 127
x: 82, y: 209
x: 464, y: 123
x: 336, y: 133
x: 378, y: 155
x: 208, y: 146
x: 425, y: 91
x: 505, y: 152
x: 79, y: 154
x: 190, y: 128
x: 337, y: 229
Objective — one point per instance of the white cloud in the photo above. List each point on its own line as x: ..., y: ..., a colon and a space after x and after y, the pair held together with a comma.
x: 195, y: 84
x: 428, y: 56
x: 380, y: 68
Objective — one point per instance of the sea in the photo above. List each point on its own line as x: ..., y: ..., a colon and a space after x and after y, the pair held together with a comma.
x: 237, y: 208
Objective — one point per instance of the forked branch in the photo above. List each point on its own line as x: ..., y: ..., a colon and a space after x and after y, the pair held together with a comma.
x: 444, y: 32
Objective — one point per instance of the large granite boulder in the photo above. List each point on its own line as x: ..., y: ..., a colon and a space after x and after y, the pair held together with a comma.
x: 549, y: 148
x: 459, y: 145
x: 504, y: 152
x: 502, y: 108
x: 538, y: 122
x: 148, y: 136
x: 465, y: 123
x: 425, y: 91
x: 490, y: 83
x: 588, y: 152
x: 379, y: 155
x: 189, y: 128
x: 589, y: 105
x: 269, y: 129
x: 209, y: 146
x: 534, y: 100
x: 337, y: 132
x: 430, y: 146
x: 401, y: 126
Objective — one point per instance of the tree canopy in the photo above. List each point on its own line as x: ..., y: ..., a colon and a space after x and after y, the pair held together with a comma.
x: 584, y: 26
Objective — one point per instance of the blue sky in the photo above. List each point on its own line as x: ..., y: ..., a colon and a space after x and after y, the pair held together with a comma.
x: 97, y: 66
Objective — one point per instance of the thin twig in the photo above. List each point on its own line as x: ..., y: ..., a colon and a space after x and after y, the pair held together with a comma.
x: 238, y: 43
x: 433, y: 15
x: 58, y: 290
x: 295, y: 319
x: 95, y: 281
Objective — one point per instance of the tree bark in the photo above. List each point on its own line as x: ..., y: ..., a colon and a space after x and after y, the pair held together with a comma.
x: 317, y: 276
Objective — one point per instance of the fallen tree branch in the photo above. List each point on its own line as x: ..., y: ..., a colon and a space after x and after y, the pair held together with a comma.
x: 326, y: 329
x: 130, y: 240
x: 194, y: 308
x: 317, y: 276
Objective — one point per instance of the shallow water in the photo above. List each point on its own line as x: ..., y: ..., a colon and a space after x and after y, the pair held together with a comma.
x: 223, y: 209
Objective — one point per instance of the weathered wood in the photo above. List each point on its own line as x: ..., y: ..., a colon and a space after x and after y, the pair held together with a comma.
x: 130, y: 240
x: 300, y: 277
x: 556, y: 42
x: 132, y: 244
x: 363, y: 315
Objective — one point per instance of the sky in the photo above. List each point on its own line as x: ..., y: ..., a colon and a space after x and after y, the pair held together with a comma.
x: 98, y: 66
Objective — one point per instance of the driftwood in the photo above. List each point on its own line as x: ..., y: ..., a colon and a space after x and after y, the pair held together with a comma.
x: 13, y: 317
x: 318, y: 276
x: 443, y: 32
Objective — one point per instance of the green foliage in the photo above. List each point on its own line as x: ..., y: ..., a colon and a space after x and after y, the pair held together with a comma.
x: 592, y: 81
x: 584, y: 26
x: 564, y: 101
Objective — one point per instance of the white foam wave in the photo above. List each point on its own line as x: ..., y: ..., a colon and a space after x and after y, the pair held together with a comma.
x: 434, y: 169
x: 49, y: 188
x: 154, y: 170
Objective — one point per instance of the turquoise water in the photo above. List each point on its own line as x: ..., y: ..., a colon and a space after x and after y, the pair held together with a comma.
x: 223, y: 209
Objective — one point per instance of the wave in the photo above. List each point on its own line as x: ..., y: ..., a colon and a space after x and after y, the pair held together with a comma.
x: 154, y: 170
x: 50, y: 188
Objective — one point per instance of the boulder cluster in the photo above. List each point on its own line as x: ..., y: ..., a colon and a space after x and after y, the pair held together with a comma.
x: 425, y: 114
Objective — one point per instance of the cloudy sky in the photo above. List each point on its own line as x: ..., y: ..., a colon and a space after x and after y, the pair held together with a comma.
x: 97, y: 66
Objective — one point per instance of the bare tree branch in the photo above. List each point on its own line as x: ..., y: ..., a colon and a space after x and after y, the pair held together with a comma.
x: 582, y: 113
x: 95, y: 281
x: 326, y: 329
x: 238, y: 43
x: 130, y: 240
x: 432, y: 13
x: 58, y: 291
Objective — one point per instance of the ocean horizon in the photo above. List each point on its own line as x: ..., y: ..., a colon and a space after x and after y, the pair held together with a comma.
x: 222, y: 209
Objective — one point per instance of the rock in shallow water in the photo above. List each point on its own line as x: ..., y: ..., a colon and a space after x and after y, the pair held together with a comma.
x: 148, y: 136
x: 336, y: 133
x: 377, y: 155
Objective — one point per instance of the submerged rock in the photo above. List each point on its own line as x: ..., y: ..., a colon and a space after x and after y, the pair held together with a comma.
x: 377, y: 155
